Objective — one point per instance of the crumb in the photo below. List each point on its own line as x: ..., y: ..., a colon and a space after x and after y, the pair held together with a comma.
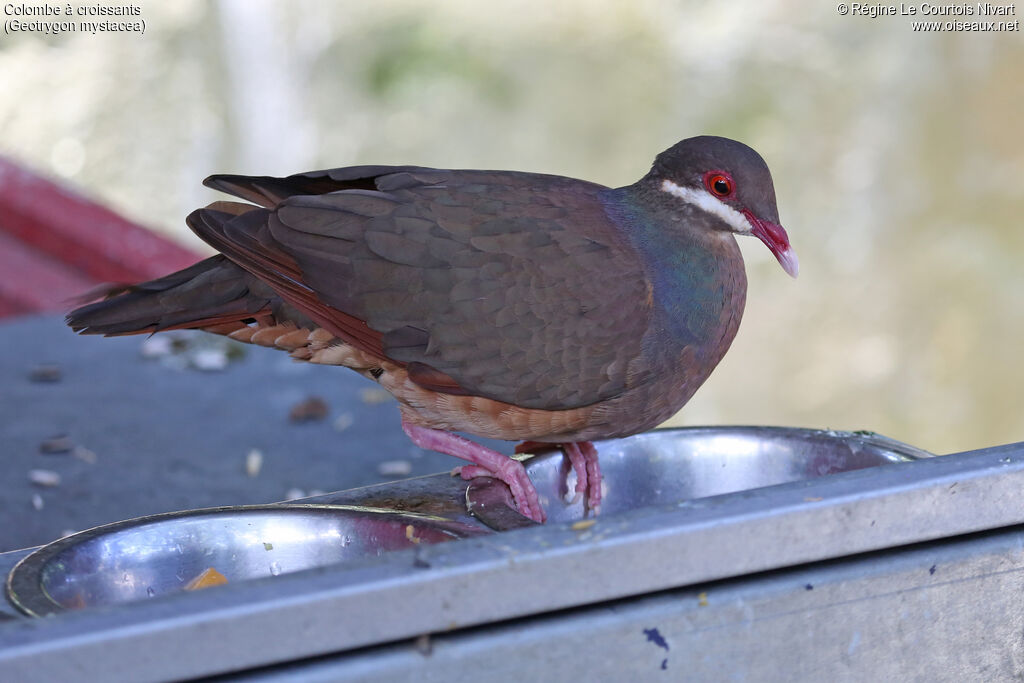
x: 45, y: 373
x: 394, y: 468
x: 343, y: 422
x: 56, y: 444
x: 312, y: 408
x: 209, y: 360
x: 209, y: 577
x: 254, y: 462
x: 84, y: 454
x: 157, y: 346
x: 47, y: 478
x: 583, y: 524
x: 374, y: 395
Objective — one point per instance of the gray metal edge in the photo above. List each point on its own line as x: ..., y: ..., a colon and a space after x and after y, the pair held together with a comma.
x: 873, y: 617
x: 529, y: 571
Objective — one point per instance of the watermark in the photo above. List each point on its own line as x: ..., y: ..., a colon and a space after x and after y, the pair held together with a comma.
x: 938, y: 18
x: 54, y: 18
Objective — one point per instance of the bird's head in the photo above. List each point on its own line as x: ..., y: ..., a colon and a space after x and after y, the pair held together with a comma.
x: 731, y: 185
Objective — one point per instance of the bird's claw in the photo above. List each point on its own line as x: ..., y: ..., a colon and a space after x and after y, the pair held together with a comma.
x: 583, y: 458
x: 513, y: 474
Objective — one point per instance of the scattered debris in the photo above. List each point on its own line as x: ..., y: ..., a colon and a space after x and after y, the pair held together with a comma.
x: 157, y: 346
x: 294, y: 494
x: 47, y: 478
x: 394, y: 468
x: 254, y: 462
x: 312, y: 408
x: 268, y: 546
x: 374, y: 395
x: 410, y: 533
x: 182, y: 350
x: 56, y: 444
x: 931, y: 569
x: 45, y: 373
x: 654, y: 636
x: 702, y: 599
x: 209, y: 577
x: 583, y: 524
x: 84, y: 454
x: 59, y: 445
x: 808, y: 586
x: 209, y: 360
x: 343, y: 422
x: 423, y: 645
x: 234, y: 349
x: 37, y: 501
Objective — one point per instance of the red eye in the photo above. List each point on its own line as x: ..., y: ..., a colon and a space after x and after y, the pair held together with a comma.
x: 719, y: 183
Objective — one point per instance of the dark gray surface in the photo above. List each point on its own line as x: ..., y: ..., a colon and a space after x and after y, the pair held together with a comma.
x: 168, y: 438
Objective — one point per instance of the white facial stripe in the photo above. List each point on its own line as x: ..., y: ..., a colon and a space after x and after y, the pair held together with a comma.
x: 706, y: 201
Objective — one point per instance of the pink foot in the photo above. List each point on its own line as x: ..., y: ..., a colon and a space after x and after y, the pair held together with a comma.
x: 486, y: 463
x: 583, y: 458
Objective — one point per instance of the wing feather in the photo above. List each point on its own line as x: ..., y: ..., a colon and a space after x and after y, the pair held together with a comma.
x: 517, y: 287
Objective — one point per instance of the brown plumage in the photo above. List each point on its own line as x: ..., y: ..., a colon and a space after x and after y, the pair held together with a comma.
x: 508, y: 305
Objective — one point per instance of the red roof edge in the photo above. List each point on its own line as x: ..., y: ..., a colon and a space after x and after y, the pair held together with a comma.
x: 82, y: 234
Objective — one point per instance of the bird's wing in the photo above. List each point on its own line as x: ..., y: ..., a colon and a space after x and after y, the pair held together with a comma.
x: 511, y: 286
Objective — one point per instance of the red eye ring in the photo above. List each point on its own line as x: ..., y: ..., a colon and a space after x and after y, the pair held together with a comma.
x: 719, y: 183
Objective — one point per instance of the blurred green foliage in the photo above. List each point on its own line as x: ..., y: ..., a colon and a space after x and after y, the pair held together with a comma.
x: 416, y: 53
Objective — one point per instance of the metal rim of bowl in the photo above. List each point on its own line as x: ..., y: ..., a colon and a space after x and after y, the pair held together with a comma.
x: 24, y: 586
x: 865, y: 436
x: 486, y: 498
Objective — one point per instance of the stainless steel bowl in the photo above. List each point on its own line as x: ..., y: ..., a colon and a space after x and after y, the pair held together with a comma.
x: 158, y: 555
x: 671, y: 465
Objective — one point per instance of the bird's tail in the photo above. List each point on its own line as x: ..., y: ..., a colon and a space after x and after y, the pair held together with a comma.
x: 214, y: 294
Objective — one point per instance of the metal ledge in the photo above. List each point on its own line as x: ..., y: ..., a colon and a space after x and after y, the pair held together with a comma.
x: 524, y: 572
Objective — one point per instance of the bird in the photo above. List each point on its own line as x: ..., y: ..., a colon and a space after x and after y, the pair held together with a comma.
x: 499, y: 304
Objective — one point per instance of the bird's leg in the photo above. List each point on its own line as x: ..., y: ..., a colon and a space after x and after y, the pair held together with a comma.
x: 585, y: 452
x: 583, y: 458
x: 575, y: 460
x: 486, y: 463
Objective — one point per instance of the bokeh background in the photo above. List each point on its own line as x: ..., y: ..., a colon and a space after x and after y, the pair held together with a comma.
x: 898, y: 159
